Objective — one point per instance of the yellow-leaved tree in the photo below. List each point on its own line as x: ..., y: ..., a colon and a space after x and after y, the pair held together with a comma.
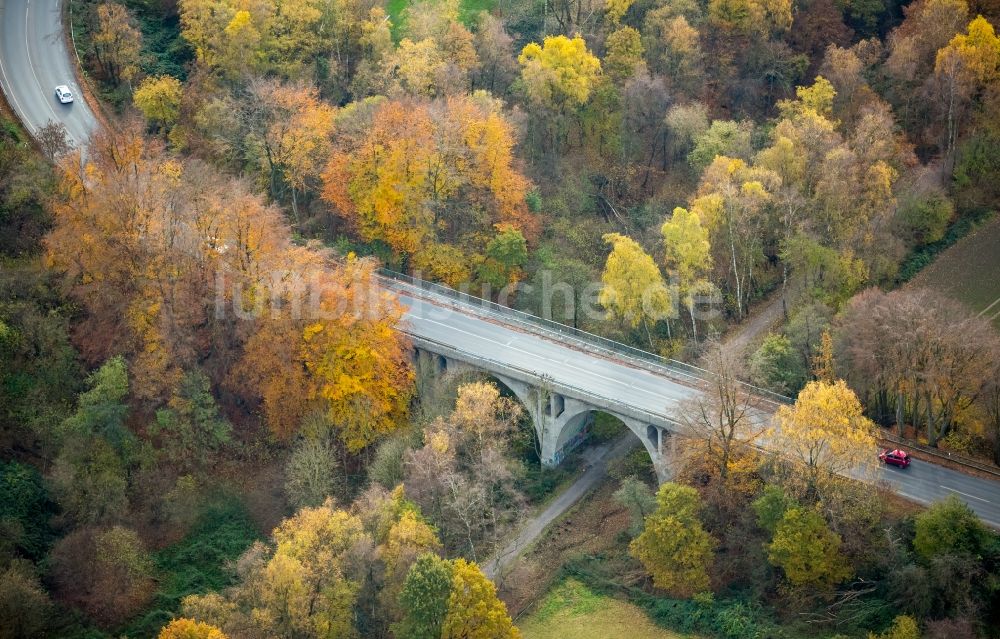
x: 344, y: 357
x: 634, y: 291
x: 673, y: 546
x: 408, y: 538
x: 474, y: 611
x: 306, y: 588
x: 290, y: 129
x: 560, y: 72
x: 969, y: 62
x: 413, y: 172
x: 159, y: 99
x: 825, y: 435
x: 303, y: 583
x: 807, y: 551
x: 188, y: 629
x: 688, y: 255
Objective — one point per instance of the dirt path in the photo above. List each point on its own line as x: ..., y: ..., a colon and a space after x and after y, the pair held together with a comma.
x: 597, y: 459
x: 765, y: 317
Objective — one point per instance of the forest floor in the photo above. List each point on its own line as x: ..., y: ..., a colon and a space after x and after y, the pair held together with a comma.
x: 969, y: 271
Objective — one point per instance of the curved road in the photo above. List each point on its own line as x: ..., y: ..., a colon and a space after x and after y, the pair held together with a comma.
x: 34, y: 60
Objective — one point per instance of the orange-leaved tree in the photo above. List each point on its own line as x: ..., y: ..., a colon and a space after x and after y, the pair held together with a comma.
x: 423, y: 177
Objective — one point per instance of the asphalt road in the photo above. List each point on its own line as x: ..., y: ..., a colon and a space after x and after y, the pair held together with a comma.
x: 34, y: 60
x: 923, y: 482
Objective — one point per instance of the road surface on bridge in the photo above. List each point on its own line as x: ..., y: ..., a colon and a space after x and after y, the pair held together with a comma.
x: 497, y: 339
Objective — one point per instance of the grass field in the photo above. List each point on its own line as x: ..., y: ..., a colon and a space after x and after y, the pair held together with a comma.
x: 969, y: 271
x: 571, y: 609
x: 467, y: 12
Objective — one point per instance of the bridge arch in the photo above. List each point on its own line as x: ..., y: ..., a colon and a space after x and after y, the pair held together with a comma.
x: 558, y: 416
x: 571, y: 429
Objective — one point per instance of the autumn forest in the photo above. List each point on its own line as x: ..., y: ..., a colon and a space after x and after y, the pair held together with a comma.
x: 212, y: 426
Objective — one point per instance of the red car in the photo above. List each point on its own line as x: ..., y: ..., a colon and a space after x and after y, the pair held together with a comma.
x: 895, y: 457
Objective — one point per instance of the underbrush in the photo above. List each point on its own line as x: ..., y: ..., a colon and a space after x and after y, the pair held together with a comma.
x: 196, y: 564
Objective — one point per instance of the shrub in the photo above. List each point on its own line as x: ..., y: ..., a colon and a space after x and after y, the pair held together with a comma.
x: 738, y: 620
x: 24, y: 512
x: 387, y: 467
x: 197, y: 564
x: 949, y: 527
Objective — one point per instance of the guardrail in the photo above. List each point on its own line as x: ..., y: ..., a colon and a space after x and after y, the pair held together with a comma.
x: 942, y: 454
x: 569, y: 334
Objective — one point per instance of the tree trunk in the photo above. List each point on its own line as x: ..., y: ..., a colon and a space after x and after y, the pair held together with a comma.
x: 900, y: 411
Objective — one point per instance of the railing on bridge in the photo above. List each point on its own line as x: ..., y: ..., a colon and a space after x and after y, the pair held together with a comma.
x: 565, y: 333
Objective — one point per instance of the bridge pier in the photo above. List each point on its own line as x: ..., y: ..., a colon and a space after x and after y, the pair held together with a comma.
x: 561, y: 422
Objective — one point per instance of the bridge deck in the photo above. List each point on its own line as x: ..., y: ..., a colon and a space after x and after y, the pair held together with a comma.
x: 494, y: 337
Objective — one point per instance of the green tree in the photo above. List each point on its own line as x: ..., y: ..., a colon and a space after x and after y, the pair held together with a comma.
x: 949, y: 527
x: 24, y: 512
x: 506, y: 253
x: 674, y: 547
x: 424, y: 598
x: 88, y: 480
x: 820, y: 273
x: 771, y: 507
x: 925, y: 219
x: 25, y: 608
x: 807, y: 550
x: 311, y: 472
x: 776, y: 365
x: 101, y: 409
x: 624, y: 53
x: 190, y: 430
x: 723, y: 138
x: 640, y: 501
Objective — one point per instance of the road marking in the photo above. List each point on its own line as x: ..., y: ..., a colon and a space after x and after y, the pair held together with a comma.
x: 986, y: 310
x: 961, y: 493
x: 31, y: 65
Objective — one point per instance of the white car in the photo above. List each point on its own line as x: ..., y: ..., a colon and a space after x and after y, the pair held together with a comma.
x: 63, y: 94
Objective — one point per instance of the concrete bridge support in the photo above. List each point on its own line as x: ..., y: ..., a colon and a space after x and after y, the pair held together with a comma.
x: 561, y: 422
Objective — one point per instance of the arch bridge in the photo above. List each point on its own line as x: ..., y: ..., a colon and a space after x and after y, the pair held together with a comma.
x: 560, y: 412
